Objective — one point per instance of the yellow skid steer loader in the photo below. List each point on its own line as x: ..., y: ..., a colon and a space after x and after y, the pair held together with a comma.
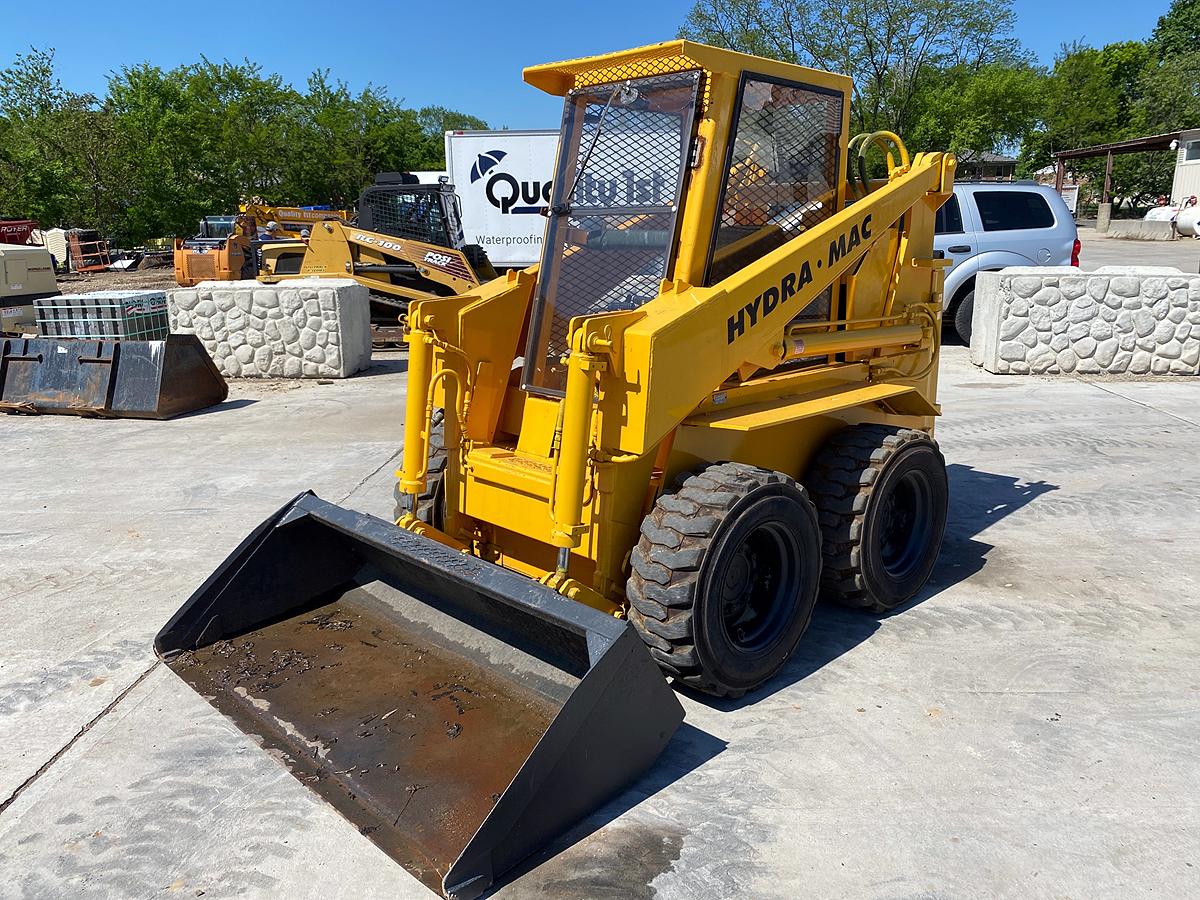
x: 711, y: 402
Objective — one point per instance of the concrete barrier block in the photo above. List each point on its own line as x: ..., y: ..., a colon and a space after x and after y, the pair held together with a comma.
x: 301, y: 328
x: 985, y: 342
x: 1119, y: 319
x: 1137, y: 270
x: 1140, y: 230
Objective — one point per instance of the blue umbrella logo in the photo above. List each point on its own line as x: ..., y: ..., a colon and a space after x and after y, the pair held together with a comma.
x: 485, y: 164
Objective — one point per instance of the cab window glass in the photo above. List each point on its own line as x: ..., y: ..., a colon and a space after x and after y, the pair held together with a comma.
x: 782, y: 172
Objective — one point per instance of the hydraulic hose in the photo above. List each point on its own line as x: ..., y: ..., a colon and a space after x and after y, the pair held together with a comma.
x: 859, y: 145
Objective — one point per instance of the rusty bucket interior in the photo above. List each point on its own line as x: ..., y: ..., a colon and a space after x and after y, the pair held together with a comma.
x: 109, y: 378
x: 459, y: 715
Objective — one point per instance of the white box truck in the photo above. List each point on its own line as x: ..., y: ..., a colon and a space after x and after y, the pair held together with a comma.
x: 503, y: 180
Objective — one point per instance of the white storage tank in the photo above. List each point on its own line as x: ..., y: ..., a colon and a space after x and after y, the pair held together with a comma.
x: 1186, y: 223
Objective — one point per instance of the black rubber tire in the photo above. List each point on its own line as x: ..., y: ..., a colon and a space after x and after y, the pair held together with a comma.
x: 249, y: 269
x: 963, y: 314
x: 430, y: 503
x: 874, y: 485
x: 707, y: 539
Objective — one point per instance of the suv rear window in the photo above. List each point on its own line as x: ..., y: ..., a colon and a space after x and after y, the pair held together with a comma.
x: 949, y: 218
x: 1013, y: 210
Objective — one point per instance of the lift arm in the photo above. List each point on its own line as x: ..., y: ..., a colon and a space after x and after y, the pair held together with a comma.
x: 681, y: 347
x: 371, y: 258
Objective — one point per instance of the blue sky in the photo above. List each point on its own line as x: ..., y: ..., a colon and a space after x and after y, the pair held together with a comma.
x: 466, y: 55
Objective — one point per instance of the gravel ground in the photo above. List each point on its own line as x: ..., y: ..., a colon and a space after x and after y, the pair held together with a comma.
x: 161, y: 279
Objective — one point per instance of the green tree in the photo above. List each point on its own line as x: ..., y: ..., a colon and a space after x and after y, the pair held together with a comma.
x: 338, y: 140
x: 890, y: 47
x: 1169, y: 100
x: 190, y: 161
x: 165, y: 147
x: 974, y: 109
x: 1170, y: 94
x: 1178, y: 30
x: 435, y: 121
x: 29, y: 88
x: 1095, y: 96
x: 61, y: 157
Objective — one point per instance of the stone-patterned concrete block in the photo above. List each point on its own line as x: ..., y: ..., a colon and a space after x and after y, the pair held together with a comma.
x: 1061, y: 320
x: 313, y: 328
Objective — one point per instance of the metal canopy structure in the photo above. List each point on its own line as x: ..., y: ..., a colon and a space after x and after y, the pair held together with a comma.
x: 1145, y: 144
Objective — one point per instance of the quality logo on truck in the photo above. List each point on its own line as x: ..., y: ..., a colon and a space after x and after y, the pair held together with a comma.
x: 504, y: 181
x: 504, y: 191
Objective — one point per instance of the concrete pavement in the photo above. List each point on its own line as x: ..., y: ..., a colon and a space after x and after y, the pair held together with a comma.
x: 1026, y: 728
x: 1100, y: 250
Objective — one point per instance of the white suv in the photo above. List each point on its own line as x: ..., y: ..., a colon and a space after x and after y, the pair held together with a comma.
x: 988, y: 225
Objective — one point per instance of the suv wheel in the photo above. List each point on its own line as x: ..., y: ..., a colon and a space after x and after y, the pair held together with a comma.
x: 962, y: 316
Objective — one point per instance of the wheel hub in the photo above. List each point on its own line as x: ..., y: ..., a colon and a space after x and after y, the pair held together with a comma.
x: 905, y: 521
x: 750, y: 597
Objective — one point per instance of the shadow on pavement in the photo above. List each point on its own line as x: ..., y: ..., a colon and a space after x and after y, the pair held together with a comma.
x: 978, y: 500
x: 625, y: 875
x: 220, y: 407
x: 950, y: 336
x: 385, y: 365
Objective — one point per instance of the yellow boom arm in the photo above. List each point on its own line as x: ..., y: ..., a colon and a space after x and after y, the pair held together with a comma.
x: 689, y: 340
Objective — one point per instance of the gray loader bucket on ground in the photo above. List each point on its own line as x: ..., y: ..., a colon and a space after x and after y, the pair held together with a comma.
x: 119, y: 379
x: 459, y: 714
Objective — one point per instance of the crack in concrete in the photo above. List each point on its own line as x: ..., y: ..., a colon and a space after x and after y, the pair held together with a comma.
x: 62, y: 751
x: 45, y: 767
x: 370, y: 475
x: 1144, y: 405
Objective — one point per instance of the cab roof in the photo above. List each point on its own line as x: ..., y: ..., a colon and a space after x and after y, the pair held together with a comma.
x: 671, y: 56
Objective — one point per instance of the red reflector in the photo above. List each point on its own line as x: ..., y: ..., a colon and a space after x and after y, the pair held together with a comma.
x: 1075, y: 253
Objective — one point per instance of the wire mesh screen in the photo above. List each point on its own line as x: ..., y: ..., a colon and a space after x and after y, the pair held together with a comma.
x: 130, y: 315
x: 402, y: 212
x: 650, y: 61
x: 782, y: 174
x: 201, y: 266
x: 616, y: 194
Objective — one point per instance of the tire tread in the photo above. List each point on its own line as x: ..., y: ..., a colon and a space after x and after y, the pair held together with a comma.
x: 428, y: 499
x: 840, y: 482
x: 665, y: 563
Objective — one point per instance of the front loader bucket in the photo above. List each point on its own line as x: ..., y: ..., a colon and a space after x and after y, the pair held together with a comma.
x: 459, y: 714
x: 116, y: 378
